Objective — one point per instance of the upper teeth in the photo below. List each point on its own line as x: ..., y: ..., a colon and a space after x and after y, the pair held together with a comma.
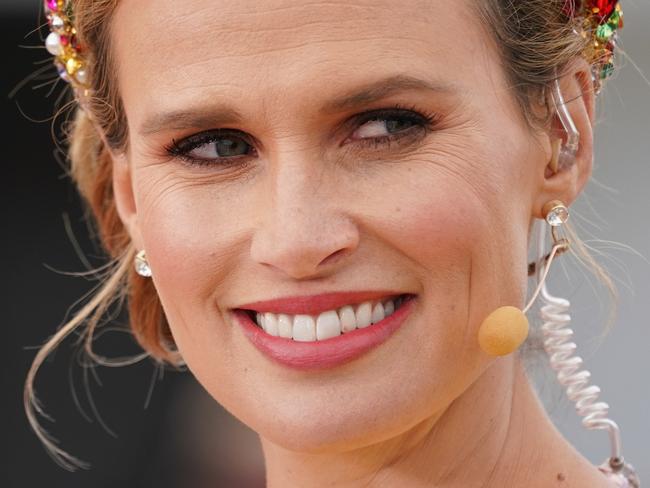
x: 327, y: 324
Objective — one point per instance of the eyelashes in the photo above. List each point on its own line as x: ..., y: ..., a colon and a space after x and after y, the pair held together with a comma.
x: 212, y: 146
x: 372, y: 130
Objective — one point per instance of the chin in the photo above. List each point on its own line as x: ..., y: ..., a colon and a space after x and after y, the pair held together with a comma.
x: 342, y: 429
x: 316, y: 438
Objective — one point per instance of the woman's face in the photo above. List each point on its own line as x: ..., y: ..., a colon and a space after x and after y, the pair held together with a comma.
x: 284, y: 148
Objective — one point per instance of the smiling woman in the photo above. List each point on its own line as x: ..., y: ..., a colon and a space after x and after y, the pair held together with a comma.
x: 330, y: 201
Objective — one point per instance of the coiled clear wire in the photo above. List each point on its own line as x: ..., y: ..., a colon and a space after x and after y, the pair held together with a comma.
x: 568, y: 367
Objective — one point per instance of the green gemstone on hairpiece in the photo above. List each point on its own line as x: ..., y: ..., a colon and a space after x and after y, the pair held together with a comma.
x: 606, y: 70
x: 604, y: 32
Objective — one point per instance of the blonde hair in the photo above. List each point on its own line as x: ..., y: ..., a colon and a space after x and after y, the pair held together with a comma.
x: 534, y: 41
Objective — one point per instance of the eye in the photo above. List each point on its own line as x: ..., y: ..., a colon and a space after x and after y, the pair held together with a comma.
x: 387, y: 125
x: 222, y: 147
x: 382, y: 127
x: 217, y: 146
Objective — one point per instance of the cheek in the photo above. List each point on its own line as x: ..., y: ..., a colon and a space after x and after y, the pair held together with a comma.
x: 440, y: 223
x: 453, y: 218
x: 469, y: 243
x: 188, y: 231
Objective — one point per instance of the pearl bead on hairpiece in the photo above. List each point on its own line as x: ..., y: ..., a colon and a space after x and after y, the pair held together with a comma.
x: 62, y: 43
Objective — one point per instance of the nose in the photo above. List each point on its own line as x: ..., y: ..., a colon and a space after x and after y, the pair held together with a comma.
x: 304, y: 229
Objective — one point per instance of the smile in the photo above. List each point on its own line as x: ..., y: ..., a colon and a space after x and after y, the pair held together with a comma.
x: 331, y: 323
x: 329, y: 338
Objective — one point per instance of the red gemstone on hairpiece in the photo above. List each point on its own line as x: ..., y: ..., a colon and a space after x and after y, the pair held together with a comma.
x: 605, y: 8
x: 53, y: 5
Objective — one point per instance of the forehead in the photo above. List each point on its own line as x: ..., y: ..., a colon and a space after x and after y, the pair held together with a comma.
x: 169, y: 53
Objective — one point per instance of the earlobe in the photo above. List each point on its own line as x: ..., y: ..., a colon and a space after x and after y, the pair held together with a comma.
x: 569, y: 164
x: 125, y: 197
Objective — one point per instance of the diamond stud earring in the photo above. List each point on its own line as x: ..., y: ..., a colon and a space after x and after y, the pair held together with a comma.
x: 556, y: 213
x: 141, y: 264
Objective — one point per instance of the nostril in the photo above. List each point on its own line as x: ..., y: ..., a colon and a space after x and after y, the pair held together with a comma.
x: 335, y: 256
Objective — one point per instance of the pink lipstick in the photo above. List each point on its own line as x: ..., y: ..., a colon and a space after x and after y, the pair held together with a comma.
x: 326, y: 353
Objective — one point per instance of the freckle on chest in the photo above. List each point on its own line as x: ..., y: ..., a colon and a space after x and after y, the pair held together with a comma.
x: 561, y: 477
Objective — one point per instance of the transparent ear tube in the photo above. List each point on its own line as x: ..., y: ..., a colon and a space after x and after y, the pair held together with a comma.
x: 569, y: 149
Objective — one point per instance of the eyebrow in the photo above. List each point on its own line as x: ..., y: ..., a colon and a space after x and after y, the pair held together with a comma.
x: 219, y: 115
x: 188, y: 119
x: 383, y: 88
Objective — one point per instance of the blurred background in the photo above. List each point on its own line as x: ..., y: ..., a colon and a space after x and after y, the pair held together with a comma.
x: 142, y: 427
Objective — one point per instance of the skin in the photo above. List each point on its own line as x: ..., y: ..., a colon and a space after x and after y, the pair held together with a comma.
x: 444, y: 214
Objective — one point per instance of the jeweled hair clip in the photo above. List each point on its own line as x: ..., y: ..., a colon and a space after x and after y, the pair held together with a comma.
x: 598, y: 21
x: 63, y: 44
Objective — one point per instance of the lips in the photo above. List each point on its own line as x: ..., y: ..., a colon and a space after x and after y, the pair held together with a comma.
x: 327, y: 353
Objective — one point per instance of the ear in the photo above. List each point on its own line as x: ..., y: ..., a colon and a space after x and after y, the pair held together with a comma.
x: 125, y: 197
x: 577, y: 89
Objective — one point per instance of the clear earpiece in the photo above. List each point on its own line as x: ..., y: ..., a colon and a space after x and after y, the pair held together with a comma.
x: 569, y: 150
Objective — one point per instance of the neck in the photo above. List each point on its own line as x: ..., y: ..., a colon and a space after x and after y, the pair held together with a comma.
x: 495, y: 434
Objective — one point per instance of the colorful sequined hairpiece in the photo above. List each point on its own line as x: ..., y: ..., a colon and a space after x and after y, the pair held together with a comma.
x: 598, y: 21
x: 63, y: 45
